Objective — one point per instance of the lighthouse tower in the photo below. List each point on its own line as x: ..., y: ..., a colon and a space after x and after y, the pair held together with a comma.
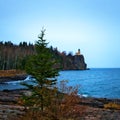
x: 78, y: 53
x: 79, y: 61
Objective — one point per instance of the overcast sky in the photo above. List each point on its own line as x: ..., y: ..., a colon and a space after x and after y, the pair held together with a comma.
x: 91, y: 25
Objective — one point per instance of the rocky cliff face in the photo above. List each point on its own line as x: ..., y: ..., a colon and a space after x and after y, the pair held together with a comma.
x: 79, y: 62
x: 75, y: 62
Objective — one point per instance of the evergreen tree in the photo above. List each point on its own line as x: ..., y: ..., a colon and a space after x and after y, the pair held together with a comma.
x: 40, y: 66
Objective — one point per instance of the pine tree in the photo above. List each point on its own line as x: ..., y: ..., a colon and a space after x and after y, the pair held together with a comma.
x: 40, y: 66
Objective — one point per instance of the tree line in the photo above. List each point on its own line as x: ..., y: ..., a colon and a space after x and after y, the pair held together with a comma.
x: 14, y: 56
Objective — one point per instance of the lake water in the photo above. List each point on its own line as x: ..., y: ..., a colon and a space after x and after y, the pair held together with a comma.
x: 101, y: 83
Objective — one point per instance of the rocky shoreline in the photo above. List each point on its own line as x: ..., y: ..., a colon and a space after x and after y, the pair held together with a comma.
x: 9, y: 109
x: 95, y: 107
x: 12, y: 78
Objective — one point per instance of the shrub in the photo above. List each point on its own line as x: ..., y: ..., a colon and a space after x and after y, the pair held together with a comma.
x: 63, y: 106
x: 112, y: 106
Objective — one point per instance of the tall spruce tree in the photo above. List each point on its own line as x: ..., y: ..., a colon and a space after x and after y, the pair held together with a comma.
x: 40, y: 66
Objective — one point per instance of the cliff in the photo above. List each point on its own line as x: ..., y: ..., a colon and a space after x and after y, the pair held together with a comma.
x: 73, y: 62
x: 79, y: 62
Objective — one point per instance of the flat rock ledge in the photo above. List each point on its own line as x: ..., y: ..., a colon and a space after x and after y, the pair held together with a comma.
x: 10, y: 110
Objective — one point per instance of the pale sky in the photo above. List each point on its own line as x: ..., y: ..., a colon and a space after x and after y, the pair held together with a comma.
x: 91, y: 25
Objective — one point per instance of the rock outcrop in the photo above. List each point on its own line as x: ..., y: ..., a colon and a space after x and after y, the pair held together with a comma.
x: 80, y: 62
x: 73, y: 62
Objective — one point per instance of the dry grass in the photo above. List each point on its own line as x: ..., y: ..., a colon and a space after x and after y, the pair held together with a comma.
x: 112, y: 106
x: 11, y: 73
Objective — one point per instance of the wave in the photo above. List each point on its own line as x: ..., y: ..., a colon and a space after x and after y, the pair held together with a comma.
x: 29, y: 77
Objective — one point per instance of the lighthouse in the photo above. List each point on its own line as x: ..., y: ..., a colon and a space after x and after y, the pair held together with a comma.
x: 78, y: 53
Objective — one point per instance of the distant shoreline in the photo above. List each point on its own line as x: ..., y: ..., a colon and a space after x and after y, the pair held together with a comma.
x: 15, y: 78
x: 12, y: 75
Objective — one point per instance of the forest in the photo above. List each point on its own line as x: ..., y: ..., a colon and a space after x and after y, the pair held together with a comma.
x: 15, y: 56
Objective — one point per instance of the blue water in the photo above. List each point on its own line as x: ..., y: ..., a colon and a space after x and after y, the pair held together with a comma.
x: 101, y: 83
